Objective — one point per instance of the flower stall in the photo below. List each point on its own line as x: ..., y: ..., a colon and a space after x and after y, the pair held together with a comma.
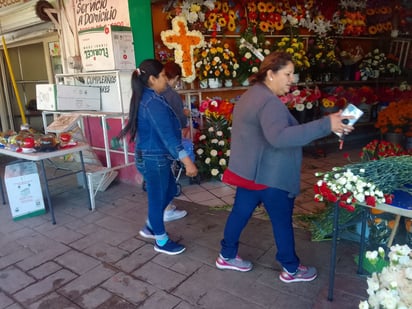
x: 236, y: 35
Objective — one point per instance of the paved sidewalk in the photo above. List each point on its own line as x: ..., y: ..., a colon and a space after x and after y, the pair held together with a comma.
x: 98, y: 260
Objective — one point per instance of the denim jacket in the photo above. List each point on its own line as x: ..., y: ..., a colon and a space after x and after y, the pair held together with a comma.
x: 159, y: 131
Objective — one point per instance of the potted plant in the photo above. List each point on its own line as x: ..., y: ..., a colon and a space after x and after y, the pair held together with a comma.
x: 212, y: 143
x: 395, y: 121
x: 252, y: 48
x: 295, y: 46
x: 209, y: 60
x: 302, y: 102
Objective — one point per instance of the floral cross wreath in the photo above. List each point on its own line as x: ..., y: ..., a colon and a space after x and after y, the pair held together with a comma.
x: 183, y: 42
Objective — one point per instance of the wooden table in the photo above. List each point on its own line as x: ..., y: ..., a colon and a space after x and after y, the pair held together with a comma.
x: 401, y: 206
x: 42, y: 156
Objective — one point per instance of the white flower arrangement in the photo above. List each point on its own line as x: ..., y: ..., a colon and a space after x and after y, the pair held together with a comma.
x: 194, y: 10
x: 390, y: 286
x: 376, y: 63
x: 252, y: 50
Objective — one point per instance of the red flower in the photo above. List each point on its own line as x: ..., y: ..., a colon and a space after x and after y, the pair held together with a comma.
x: 370, y: 200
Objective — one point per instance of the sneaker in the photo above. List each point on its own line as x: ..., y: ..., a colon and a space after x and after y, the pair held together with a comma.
x: 147, y: 232
x: 170, y: 248
x: 234, y: 264
x: 304, y: 273
x: 171, y: 213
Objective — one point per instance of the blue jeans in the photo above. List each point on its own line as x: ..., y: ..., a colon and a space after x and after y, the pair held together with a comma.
x: 279, y: 207
x: 160, y: 187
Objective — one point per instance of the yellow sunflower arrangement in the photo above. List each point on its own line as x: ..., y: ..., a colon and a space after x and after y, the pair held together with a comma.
x: 223, y: 16
x: 265, y: 16
x: 295, y: 47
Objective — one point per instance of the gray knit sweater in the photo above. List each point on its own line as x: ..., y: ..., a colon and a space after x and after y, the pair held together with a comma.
x: 266, y: 141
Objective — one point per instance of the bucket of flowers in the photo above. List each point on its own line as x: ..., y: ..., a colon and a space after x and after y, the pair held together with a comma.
x: 214, y: 62
x: 332, y: 99
x: 212, y: 143
x: 302, y: 102
x: 251, y: 49
x: 376, y: 64
x: 324, y: 63
x: 395, y: 121
x: 294, y: 45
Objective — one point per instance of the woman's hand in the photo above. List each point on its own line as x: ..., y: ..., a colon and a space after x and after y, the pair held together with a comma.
x: 190, y: 167
x: 338, y: 121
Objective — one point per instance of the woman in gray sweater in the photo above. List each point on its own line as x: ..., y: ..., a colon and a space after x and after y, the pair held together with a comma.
x: 265, y: 164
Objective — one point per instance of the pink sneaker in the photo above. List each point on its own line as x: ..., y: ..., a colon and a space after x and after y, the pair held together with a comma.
x: 234, y: 264
x: 303, y: 273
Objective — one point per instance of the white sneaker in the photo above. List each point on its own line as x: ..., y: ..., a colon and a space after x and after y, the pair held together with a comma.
x: 171, y: 213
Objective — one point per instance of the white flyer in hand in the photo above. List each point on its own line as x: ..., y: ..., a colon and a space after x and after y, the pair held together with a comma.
x: 351, y: 110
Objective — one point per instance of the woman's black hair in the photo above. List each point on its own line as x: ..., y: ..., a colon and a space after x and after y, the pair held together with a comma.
x: 274, y: 61
x: 140, y: 79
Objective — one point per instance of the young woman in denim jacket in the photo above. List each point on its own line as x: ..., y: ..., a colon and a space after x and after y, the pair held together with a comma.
x: 156, y: 130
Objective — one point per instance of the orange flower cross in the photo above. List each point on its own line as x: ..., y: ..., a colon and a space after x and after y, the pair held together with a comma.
x: 183, y: 42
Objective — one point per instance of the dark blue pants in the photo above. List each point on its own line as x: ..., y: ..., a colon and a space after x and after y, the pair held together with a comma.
x: 279, y: 207
x: 160, y: 186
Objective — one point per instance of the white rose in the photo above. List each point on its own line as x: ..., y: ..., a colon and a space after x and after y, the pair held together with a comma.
x: 219, y: 133
x: 202, y: 137
x: 255, y: 69
x: 213, y: 153
x: 222, y: 162
x: 200, y: 151
x: 300, y: 107
x: 211, y: 129
x: 221, y: 143
x: 214, y: 172
x: 214, y: 141
x: 207, y: 160
x: 248, y: 55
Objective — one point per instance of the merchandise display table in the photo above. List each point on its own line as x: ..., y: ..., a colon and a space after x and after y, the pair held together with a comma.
x: 401, y: 206
x: 42, y: 156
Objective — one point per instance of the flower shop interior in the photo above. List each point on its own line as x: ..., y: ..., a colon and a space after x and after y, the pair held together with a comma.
x: 344, y: 52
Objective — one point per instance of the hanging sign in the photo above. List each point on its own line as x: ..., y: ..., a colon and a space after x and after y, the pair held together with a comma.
x: 99, y: 13
x: 9, y: 3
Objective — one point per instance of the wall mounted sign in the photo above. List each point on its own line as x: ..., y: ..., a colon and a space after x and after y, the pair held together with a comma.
x: 100, y: 13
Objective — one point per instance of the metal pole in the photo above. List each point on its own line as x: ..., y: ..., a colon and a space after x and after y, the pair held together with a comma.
x: 13, y: 80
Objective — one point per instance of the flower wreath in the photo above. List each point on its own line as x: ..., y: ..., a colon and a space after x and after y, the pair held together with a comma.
x: 183, y: 42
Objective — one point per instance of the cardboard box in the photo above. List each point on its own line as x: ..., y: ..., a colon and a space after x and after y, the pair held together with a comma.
x: 67, y: 97
x: 115, y: 86
x: 107, y: 48
x: 24, y: 190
